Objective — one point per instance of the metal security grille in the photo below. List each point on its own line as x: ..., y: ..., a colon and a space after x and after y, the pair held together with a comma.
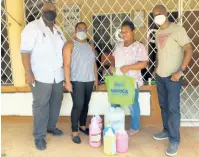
x: 104, y: 18
x: 6, y: 71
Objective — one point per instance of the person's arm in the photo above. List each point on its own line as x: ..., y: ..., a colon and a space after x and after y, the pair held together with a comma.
x: 188, y: 52
x: 26, y: 62
x: 67, y: 51
x: 28, y: 39
x: 156, y: 62
x: 184, y: 41
x: 27, y: 66
x: 138, y: 66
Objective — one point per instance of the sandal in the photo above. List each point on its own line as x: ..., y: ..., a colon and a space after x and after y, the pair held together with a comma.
x: 86, y: 131
x: 132, y: 132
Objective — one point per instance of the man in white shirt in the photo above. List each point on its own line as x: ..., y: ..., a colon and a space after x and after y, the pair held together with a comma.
x: 41, y: 49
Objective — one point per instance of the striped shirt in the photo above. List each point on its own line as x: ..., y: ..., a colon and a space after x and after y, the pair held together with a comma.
x: 82, y: 63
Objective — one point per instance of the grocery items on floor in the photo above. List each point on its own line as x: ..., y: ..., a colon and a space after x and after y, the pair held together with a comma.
x: 115, y: 138
x: 122, y: 141
x: 95, y: 132
x: 116, y: 117
x: 108, y: 126
x: 98, y: 119
x: 109, y: 142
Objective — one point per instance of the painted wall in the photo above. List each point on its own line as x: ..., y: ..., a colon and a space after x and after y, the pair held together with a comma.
x: 20, y: 104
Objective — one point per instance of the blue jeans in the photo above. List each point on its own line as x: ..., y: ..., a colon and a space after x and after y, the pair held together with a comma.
x: 135, y: 111
x: 169, y: 100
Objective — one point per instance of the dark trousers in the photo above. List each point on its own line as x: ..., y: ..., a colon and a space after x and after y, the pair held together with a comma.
x: 47, y: 100
x: 81, y: 97
x: 169, y: 100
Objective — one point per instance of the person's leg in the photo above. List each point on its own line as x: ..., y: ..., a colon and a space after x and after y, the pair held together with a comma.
x: 84, y: 113
x: 174, y: 110
x: 41, y: 96
x: 78, y: 95
x: 55, y: 106
x: 163, y: 100
x: 135, y: 114
x: 173, y: 115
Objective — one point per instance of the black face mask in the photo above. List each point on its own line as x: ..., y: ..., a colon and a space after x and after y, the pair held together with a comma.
x: 49, y: 15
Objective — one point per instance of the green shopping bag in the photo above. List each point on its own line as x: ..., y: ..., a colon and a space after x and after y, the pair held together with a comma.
x: 121, y: 89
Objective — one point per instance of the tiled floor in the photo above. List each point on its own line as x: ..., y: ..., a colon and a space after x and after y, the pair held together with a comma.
x: 17, y: 141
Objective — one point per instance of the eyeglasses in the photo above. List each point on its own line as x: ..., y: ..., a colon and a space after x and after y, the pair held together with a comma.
x: 82, y: 30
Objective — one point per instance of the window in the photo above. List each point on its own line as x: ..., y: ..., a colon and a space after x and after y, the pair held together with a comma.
x: 33, y: 9
x: 6, y: 71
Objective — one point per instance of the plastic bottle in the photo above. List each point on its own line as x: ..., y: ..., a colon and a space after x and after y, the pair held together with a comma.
x: 110, y: 143
x: 95, y: 134
x: 108, y: 126
x: 122, y: 141
x: 98, y: 119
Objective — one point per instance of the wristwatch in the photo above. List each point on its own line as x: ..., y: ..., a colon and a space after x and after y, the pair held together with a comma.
x: 181, y: 70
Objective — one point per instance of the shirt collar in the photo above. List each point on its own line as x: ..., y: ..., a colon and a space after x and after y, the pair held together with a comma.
x: 43, y: 23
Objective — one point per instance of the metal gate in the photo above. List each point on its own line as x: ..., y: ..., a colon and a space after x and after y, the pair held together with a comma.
x: 6, y: 71
x: 104, y: 17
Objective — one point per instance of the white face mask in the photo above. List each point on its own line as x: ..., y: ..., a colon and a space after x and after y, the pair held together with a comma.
x: 160, y: 19
x: 81, y: 35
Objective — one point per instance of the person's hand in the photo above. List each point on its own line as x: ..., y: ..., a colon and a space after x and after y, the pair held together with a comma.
x: 96, y: 84
x: 69, y: 87
x: 176, y: 76
x: 124, y: 69
x: 30, y: 79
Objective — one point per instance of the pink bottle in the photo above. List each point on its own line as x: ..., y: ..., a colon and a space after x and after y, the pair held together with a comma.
x: 122, y: 141
x: 95, y: 134
x: 98, y: 119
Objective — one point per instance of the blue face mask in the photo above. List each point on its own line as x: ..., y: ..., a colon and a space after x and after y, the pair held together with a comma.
x: 50, y: 15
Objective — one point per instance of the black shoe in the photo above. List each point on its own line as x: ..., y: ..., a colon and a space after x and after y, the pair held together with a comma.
x: 86, y: 131
x: 40, y: 144
x: 55, y: 132
x: 76, y: 139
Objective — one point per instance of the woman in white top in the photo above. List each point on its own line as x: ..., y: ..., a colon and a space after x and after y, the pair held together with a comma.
x: 130, y: 58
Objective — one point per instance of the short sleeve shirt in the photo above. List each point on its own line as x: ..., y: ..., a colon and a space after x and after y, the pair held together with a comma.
x: 45, y: 49
x: 132, y: 54
x: 169, y: 43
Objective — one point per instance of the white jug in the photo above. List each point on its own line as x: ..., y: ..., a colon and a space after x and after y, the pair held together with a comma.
x: 115, y: 117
